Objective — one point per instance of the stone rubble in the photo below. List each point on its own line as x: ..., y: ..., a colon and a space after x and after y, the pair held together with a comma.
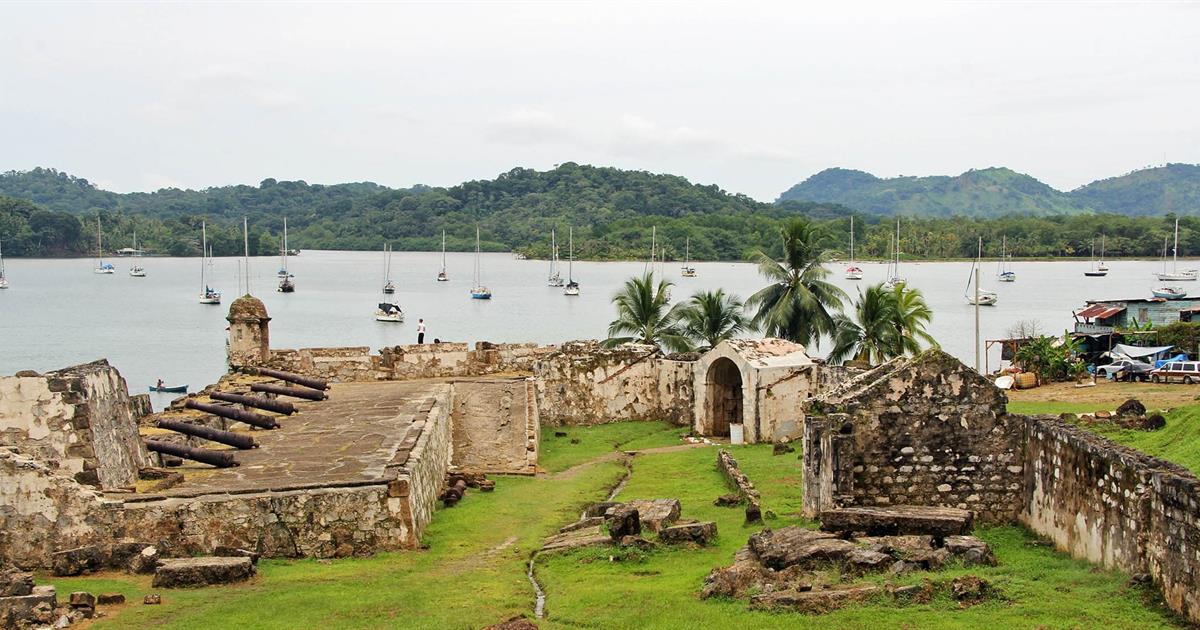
x: 203, y: 571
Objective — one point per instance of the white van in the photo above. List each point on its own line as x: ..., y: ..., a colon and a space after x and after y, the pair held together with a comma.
x: 1186, y: 371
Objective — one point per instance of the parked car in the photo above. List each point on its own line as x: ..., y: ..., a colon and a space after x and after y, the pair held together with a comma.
x: 1186, y: 371
x: 1126, y: 370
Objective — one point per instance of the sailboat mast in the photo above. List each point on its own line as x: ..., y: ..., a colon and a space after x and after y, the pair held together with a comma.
x: 100, y: 240
x: 1174, y: 250
x: 851, y: 239
x: 246, y: 252
x: 203, y: 256
x: 571, y: 253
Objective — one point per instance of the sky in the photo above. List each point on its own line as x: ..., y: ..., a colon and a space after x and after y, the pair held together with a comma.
x: 753, y: 97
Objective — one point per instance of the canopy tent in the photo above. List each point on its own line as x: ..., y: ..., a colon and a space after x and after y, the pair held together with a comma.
x: 1138, y: 352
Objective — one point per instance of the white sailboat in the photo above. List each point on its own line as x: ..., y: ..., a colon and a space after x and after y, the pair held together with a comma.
x: 853, y: 271
x: 895, y: 279
x: 208, y: 295
x: 137, y: 270
x: 478, y: 290
x: 1101, y: 266
x: 3, y: 278
x: 1004, y: 273
x: 687, y: 270
x: 1094, y: 272
x: 442, y: 275
x: 389, y: 287
x: 979, y: 296
x: 555, y: 277
x: 101, y: 266
x: 572, y: 286
x: 285, y: 277
x: 1175, y: 275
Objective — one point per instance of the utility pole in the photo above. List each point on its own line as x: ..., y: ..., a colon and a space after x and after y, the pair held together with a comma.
x: 977, y: 258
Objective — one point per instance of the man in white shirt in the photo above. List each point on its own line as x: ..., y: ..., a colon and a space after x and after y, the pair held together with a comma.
x: 420, y: 331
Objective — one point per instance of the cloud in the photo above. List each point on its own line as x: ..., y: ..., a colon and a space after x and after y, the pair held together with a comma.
x: 528, y: 126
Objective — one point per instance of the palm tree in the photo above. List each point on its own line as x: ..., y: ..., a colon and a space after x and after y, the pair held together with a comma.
x: 799, y: 304
x: 871, y: 335
x: 712, y: 316
x: 910, y: 317
x: 643, y: 316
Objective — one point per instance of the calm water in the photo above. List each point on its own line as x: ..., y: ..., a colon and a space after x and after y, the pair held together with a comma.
x: 58, y: 313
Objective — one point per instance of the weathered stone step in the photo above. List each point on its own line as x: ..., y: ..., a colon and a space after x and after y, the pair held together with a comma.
x: 898, y: 520
x: 186, y: 572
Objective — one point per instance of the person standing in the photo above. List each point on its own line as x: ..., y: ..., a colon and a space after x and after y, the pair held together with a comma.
x: 420, y: 331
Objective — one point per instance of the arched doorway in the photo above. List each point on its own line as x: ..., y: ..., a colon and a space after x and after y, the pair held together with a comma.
x: 724, y: 396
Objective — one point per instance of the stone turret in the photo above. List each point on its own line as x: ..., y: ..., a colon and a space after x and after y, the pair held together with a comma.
x: 249, y: 338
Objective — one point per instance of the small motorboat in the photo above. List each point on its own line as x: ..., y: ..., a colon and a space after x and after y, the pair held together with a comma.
x: 389, y: 312
x: 1169, y: 293
x: 986, y: 298
x: 572, y: 288
x: 169, y: 389
x: 854, y: 272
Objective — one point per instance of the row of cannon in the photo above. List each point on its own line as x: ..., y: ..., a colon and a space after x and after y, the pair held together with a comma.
x: 300, y: 386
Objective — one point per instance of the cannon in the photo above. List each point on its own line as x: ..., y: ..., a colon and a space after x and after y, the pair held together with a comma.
x: 236, y: 440
x: 283, y: 390
x: 299, y: 379
x: 233, y: 413
x: 260, y: 402
x: 220, y: 459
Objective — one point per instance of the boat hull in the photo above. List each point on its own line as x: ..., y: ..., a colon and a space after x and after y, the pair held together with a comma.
x: 178, y: 389
x: 481, y: 296
x: 1095, y: 274
x: 1177, y: 277
x: 394, y: 319
x: 1170, y: 295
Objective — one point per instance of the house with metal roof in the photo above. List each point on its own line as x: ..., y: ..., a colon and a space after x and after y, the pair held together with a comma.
x: 1103, y: 317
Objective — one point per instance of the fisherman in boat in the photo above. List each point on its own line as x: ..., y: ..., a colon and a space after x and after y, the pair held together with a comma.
x: 159, y: 385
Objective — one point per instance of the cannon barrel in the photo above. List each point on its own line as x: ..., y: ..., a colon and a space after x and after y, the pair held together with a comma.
x: 236, y: 440
x: 220, y: 459
x: 233, y: 413
x: 261, y: 402
x: 299, y: 379
x: 282, y: 390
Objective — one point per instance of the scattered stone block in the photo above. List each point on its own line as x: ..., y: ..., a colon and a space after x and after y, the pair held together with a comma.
x: 144, y: 562
x: 623, y: 521
x: 738, y: 579
x: 15, y: 582
x: 599, y: 509
x: 236, y: 552
x: 782, y: 448
x: 899, y: 519
x: 812, y: 602
x: 728, y: 500
x: 153, y: 599
x: 110, y: 599
x: 636, y: 541
x: 656, y: 514
x: 190, y: 572
x: 792, y: 546
x: 969, y: 588
x: 22, y: 607
x: 587, y: 537
x: 77, y: 561
x: 80, y: 599
x: 862, y: 561
x: 970, y: 550
x: 1131, y: 407
x: 699, y: 533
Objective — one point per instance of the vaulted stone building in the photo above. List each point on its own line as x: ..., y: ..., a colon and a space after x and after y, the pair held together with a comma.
x: 760, y: 384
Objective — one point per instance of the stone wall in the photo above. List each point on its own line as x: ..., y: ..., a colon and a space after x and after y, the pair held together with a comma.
x: 1115, y: 506
x: 80, y: 419
x: 584, y: 384
x: 421, y: 476
x: 495, y: 425
x: 407, y: 362
x: 925, y: 430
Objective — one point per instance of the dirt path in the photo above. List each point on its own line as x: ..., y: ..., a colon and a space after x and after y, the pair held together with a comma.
x: 613, y: 456
x: 1109, y: 395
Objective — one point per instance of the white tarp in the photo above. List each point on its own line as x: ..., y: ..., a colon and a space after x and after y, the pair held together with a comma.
x: 1137, y: 352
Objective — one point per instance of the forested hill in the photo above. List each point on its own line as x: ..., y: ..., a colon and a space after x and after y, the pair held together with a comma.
x: 994, y: 192
x: 611, y: 210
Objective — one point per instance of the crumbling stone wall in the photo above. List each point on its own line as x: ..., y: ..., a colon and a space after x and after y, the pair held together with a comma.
x: 924, y: 430
x: 584, y: 384
x: 80, y: 419
x: 408, y: 362
x: 421, y: 475
x: 1114, y: 506
x: 495, y: 425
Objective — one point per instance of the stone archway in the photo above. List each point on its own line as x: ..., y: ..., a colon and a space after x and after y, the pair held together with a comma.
x: 723, y: 399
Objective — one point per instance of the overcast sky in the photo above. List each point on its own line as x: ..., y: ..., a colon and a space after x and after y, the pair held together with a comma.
x: 751, y: 97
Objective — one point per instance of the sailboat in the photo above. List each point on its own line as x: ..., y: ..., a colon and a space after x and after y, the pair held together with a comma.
x: 980, y: 297
x: 1169, y: 293
x: 572, y: 286
x: 3, y: 278
x: 1175, y: 275
x: 853, y: 272
x: 687, y: 270
x: 555, y: 278
x: 136, y: 271
x: 896, y: 280
x: 208, y: 295
x: 101, y: 266
x: 1101, y: 266
x: 442, y: 276
x: 389, y: 287
x: 285, y: 278
x: 1004, y: 274
x: 478, y: 291
x: 1094, y: 272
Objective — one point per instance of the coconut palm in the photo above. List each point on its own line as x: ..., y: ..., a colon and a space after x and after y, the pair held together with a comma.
x: 799, y: 304
x: 910, y: 317
x: 712, y: 316
x: 871, y: 334
x: 644, y: 316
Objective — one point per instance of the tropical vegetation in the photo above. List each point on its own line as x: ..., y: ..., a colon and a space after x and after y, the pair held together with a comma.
x: 1051, y: 358
x: 799, y: 303
x: 885, y: 323
x: 710, y: 317
x: 645, y: 315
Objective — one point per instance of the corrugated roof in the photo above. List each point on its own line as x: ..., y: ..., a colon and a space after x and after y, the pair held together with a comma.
x: 1100, y: 311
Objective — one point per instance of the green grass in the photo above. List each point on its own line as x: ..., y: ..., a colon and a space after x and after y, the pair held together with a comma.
x: 1178, y: 442
x: 473, y: 573
x: 1038, y: 407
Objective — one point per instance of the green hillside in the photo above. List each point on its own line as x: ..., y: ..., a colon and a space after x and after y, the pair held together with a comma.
x: 1174, y: 188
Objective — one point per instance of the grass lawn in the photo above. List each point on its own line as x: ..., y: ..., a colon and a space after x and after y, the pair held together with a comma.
x: 473, y: 573
x: 1056, y: 398
x: 1178, y: 442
